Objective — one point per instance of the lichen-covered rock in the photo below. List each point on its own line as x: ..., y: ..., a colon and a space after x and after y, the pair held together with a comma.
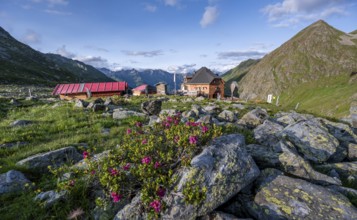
x: 168, y: 112
x: 266, y: 133
x: 51, y: 197
x: 224, y: 168
x: 227, y: 115
x: 282, y: 197
x: 352, y: 152
x: 197, y: 109
x: 206, y: 119
x: 341, y: 131
x: 288, y: 118
x: 81, y: 103
x: 351, y: 194
x: 220, y: 216
x: 126, y: 114
x: 151, y: 107
x: 347, y: 172
x: 189, y: 114
x: 12, y: 181
x: 56, y: 158
x: 284, y: 157
x: 254, y: 118
x: 132, y: 211
x: 311, y: 140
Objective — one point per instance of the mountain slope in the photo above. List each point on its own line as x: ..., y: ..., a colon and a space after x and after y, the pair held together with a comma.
x: 20, y: 64
x: 138, y: 77
x: 315, y: 62
x: 237, y: 73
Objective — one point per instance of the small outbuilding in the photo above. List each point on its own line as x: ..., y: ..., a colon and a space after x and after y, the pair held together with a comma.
x: 161, y: 88
x: 144, y: 90
x: 88, y: 90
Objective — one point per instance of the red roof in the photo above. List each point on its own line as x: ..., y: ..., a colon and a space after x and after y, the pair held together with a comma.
x: 75, y: 88
x: 140, y: 88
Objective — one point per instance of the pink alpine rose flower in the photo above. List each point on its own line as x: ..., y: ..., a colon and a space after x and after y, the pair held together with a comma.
x: 146, y: 160
x: 126, y: 166
x: 156, y: 205
x: 193, y: 139
x: 116, y: 196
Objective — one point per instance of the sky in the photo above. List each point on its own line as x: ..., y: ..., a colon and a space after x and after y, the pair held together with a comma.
x: 173, y: 35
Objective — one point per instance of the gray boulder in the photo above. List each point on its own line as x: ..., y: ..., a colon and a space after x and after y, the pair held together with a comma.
x: 353, y: 112
x: 238, y: 106
x: 108, y: 101
x: 51, y: 197
x: 347, y: 172
x: 151, y: 107
x: 351, y: 194
x: 197, y: 109
x: 81, y: 103
x: 126, y: 114
x: 340, y: 131
x: 284, y: 157
x: 168, y: 112
x: 227, y: 115
x: 206, y: 119
x: 98, y: 107
x: 312, y: 140
x: 254, y: 118
x: 56, y: 158
x: 223, y: 168
x: 13, y: 181
x: 219, y: 216
x: 21, y: 123
x: 200, y: 99
x: 153, y: 120
x: 282, y: 197
x: 266, y: 133
x: 352, y: 152
x: 189, y: 114
x: 212, y: 109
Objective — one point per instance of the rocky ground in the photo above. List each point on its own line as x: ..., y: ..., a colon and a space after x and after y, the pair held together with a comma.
x: 285, y: 165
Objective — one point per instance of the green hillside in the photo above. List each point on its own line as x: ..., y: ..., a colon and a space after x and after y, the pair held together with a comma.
x: 20, y: 64
x: 313, y: 69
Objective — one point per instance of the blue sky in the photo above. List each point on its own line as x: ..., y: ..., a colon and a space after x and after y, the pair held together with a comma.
x: 174, y: 35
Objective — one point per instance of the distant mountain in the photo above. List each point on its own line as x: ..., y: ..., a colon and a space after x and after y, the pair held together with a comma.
x: 20, y: 64
x: 237, y: 73
x: 138, y: 77
x: 313, y: 69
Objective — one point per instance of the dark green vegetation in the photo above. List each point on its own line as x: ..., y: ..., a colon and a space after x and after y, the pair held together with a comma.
x: 313, y: 69
x: 20, y: 64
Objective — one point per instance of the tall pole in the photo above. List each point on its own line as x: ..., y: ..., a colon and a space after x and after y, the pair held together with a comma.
x: 175, y: 82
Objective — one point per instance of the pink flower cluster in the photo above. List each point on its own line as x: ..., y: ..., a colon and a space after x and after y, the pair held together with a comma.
x: 157, y: 165
x: 126, y: 166
x: 128, y: 131
x: 85, y: 154
x: 138, y: 124
x: 161, y: 192
x: 193, y: 139
x: 146, y: 160
x: 192, y: 124
x: 204, y: 129
x: 144, y: 141
x: 156, y: 205
x: 116, y: 196
x: 113, y: 171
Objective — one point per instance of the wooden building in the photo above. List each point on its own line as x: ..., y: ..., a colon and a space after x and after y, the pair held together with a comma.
x: 144, y: 90
x: 204, y: 82
x: 161, y: 88
x: 88, y: 90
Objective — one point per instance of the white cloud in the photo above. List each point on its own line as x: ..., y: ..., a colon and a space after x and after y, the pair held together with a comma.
x: 209, y: 16
x: 234, y: 55
x: 96, y: 61
x: 186, y: 68
x: 150, y: 8
x: 91, y: 47
x: 152, y: 53
x: 52, y: 3
x: 31, y: 37
x: 64, y: 52
x: 171, y: 2
x: 56, y: 12
x: 289, y: 12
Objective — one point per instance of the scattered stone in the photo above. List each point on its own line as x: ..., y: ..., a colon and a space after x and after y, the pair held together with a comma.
x: 56, y: 158
x: 206, y: 119
x: 238, y: 106
x: 254, y: 118
x: 353, y: 112
x: 56, y: 105
x: 200, y: 99
x: 81, y: 103
x: 15, y: 102
x: 151, y: 107
x: 227, y: 115
x: 31, y: 98
x: 98, y: 101
x: 219, y: 216
x: 197, y: 109
x: 98, y: 107
x: 21, y: 123
x: 96, y: 157
x: 189, y: 114
x: 153, y: 120
x: 188, y: 100
x: 312, y: 140
x: 12, y: 181
x: 49, y: 198
x: 126, y: 114
x: 352, y: 152
x: 212, y: 109
x: 105, y: 131
x: 347, y: 171
x: 108, y: 101
x: 282, y: 197
x: 168, y: 112
x: 112, y: 108
x: 12, y: 145
x: 266, y: 133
